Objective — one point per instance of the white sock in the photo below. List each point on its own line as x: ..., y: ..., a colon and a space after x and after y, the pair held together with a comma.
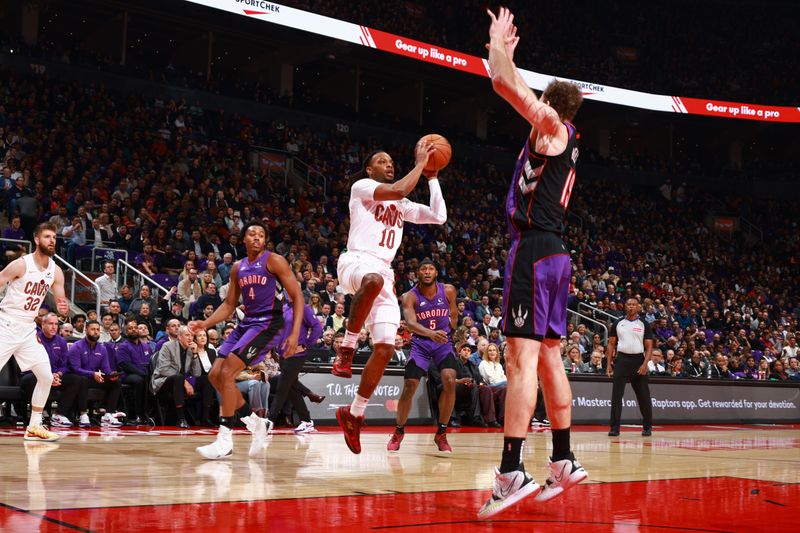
x: 36, y: 419
x: 359, y: 405
x: 350, y: 339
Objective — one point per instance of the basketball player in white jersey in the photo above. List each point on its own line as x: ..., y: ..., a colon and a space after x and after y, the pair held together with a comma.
x: 378, y: 210
x: 29, y: 279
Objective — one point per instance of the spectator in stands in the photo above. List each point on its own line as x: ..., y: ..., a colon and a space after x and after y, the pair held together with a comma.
x: 176, y: 369
x: 572, y: 359
x: 467, y: 400
x: 14, y: 231
x: 75, y: 235
x: 106, y: 320
x: 124, y: 301
x: 791, y: 349
x: 115, y: 331
x: 676, y: 368
x: 143, y: 318
x: 213, y: 337
x: 400, y: 356
x: 90, y: 359
x: 254, y: 385
x: 594, y: 365
x: 211, y: 269
x: 794, y: 367
x: 171, y: 329
x: 656, y: 366
x: 107, y: 284
x: 144, y: 296
x: 206, y: 354
x: 336, y: 320
x: 484, y: 327
x: 696, y: 368
x: 71, y: 386
x: 189, y: 287
x: 78, y: 326
x: 719, y: 369
x: 146, y: 261
x: 492, y: 390
x: 777, y: 371
x: 210, y: 297
x: 224, y: 268
x: 133, y: 360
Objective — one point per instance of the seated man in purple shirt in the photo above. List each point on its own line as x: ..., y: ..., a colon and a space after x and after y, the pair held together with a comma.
x: 70, y: 385
x: 14, y: 231
x: 133, y: 359
x: 90, y: 359
x: 146, y: 261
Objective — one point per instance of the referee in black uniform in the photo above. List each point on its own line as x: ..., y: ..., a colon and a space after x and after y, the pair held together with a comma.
x: 630, y: 347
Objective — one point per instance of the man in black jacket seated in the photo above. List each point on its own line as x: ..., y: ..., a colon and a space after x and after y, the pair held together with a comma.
x: 467, y: 380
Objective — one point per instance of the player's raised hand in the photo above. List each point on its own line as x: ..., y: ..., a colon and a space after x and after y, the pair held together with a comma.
x: 195, y: 326
x: 502, y: 29
x: 423, y: 151
x: 439, y: 336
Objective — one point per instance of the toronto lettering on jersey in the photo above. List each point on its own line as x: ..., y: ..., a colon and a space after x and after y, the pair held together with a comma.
x: 389, y: 215
x: 434, y: 313
x: 36, y: 289
x: 253, y: 279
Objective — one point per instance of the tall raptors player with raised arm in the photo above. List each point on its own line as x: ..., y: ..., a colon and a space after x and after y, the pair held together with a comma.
x: 378, y: 210
x: 29, y: 279
x: 537, y: 273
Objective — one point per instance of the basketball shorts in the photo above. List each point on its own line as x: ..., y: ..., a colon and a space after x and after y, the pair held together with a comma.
x: 18, y: 338
x: 352, y: 267
x: 536, y: 286
x: 419, y: 361
x: 251, y: 340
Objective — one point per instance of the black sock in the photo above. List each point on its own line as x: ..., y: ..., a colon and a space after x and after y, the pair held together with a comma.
x: 179, y: 411
x: 244, y: 410
x: 561, y: 444
x: 441, y: 429
x: 512, y: 454
x: 400, y: 430
x: 227, y: 421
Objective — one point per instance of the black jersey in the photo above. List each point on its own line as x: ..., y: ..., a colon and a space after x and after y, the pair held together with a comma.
x: 541, y: 187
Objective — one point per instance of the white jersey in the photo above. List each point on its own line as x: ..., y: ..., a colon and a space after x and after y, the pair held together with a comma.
x: 376, y: 228
x: 25, y: 295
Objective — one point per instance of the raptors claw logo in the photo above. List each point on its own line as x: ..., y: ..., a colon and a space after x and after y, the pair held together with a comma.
x: 520, y: 316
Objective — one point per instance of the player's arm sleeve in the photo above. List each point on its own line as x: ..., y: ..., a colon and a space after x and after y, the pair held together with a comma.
x: 422, y: 214
x: 648, y: 331
x: 364, y: 190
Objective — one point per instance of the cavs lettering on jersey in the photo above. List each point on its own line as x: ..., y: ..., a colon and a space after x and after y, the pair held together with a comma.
x: 25, y: 295
x: 541, y: 187
x: 376, y: 227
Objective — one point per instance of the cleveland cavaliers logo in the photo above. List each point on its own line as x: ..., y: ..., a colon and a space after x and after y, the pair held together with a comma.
x: 519, y: 316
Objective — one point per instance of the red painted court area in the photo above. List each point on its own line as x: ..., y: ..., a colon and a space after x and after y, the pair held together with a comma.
x: 696, y: 504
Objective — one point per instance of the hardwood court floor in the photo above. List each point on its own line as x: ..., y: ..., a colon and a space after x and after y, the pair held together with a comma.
x: 687, y: 478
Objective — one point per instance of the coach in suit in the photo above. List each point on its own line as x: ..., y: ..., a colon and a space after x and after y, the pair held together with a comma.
x: 177, y: 368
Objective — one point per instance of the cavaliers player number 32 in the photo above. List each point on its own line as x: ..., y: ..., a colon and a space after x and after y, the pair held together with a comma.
x: 29, y: 279
x: 378, y: 210
x: 537, y: 273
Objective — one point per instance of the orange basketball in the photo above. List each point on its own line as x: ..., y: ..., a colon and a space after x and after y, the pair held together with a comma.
x: 441, y: 155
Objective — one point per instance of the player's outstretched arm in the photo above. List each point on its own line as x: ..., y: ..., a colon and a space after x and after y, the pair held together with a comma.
x: 423, y: 214
x: 225, y: 309
x: 403, y: 187
x: 506, y: 80
x: 451, y: 295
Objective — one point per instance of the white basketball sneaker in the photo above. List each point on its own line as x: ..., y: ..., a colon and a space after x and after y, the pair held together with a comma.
x: 109, y: 420
x: 222, y: 447
x: 564, y: 474
x: 61, y: 421
x: 259, y: 428
x: 507, y: 490
x: 305, y: 427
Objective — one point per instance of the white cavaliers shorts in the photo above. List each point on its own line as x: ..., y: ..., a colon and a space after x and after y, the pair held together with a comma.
x: 352, y: 267
x: 18, y: 338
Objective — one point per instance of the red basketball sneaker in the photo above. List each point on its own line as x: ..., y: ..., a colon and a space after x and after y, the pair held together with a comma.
x: 343, y: 362
x: 394, y: 442
x: 441, y: 442
x: 351, y: 426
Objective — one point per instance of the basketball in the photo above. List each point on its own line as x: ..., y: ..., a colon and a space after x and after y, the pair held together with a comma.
x: 441, y: 156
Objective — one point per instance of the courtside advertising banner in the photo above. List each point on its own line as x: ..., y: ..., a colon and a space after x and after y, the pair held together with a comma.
x: 271, y: 12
